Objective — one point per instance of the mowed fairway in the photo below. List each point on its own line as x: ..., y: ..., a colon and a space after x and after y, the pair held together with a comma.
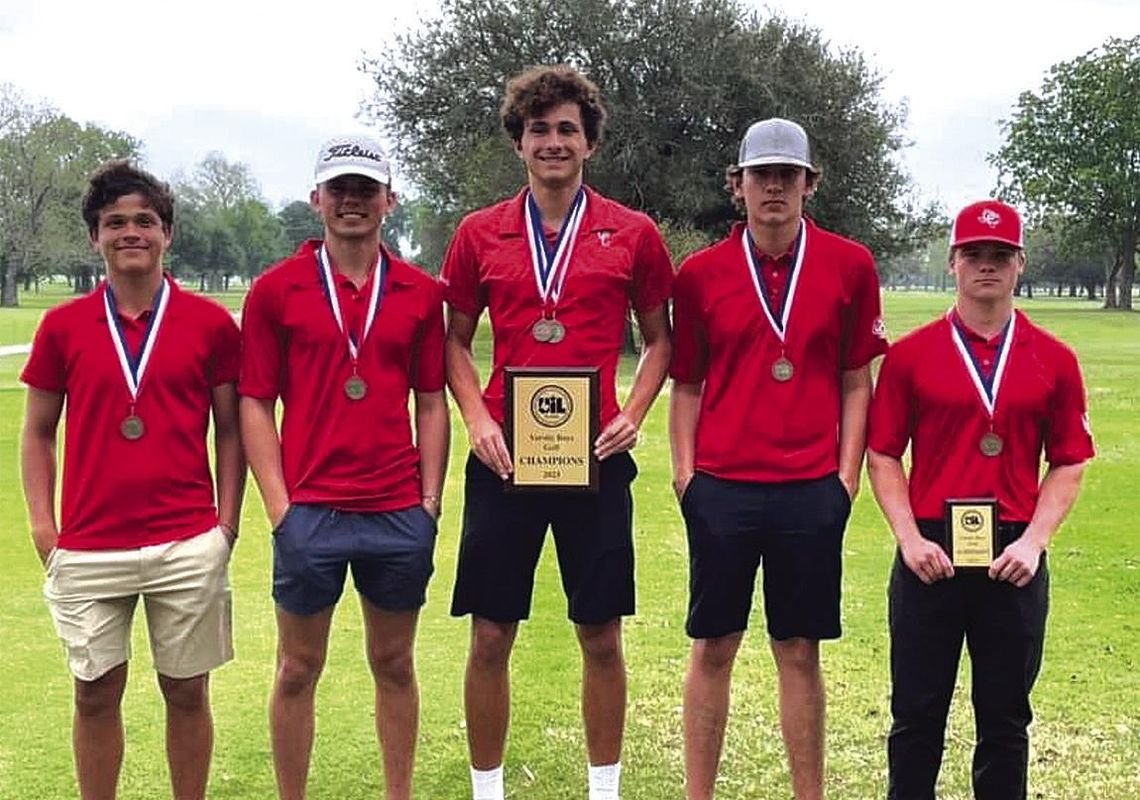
x: 1086, y: 737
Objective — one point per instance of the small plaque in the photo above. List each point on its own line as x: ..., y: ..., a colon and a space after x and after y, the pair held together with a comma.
x: 551, y: 423
x: 971, y: 532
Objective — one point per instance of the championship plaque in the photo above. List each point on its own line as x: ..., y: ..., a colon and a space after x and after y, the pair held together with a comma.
x: 971, y: 532
x: 550, y: 424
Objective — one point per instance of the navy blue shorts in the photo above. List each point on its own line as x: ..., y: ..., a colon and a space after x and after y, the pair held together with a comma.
x: 503, y: 534
x: 390, y: 554
x: 795, y: 529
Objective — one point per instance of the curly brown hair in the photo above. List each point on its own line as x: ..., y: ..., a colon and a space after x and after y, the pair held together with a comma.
x: 541, y: 88
x: 117, y: 179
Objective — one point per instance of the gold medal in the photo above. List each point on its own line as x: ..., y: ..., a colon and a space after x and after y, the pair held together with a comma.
x: 132, y: 428
x: 355, y: 388
x: 990, y: 445
x: 542, y: 331
x: 557, y: 332
x: 782, y: 370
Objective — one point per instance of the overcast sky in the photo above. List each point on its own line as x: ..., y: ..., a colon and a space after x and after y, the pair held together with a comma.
x: 266, y: 82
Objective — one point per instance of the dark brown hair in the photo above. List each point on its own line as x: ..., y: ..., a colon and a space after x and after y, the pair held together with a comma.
x: 117, y: 179
x: 540, y: 89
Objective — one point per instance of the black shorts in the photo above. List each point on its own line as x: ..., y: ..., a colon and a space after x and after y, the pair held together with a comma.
x: 795, y: 529
x: 503, y: 534
x: 390, y: 553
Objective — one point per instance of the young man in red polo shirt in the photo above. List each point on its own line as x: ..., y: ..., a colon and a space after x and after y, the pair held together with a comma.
x: 556, y: 267
x: 342, y: 331
x: 978, y: 395
x: 775, y: 329
x: 142, y: 365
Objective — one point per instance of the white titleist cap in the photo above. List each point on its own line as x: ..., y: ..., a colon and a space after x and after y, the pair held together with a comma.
x: 775, y: 141
x: 352, y: 155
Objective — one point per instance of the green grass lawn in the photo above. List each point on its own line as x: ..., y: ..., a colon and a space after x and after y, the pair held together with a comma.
x: 1086, y: 737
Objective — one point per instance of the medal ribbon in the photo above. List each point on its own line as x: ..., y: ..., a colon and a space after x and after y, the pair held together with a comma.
x: 134, y: 367
x: 987, y: 387
x: 552, y: 263
x: 374, y: 301
x: 777, y: 318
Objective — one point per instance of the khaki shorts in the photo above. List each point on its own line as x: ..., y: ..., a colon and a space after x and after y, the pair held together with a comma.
x: 184, y: 584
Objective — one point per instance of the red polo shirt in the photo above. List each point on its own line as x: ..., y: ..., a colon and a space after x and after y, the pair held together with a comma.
x: 751, y: 426
x: 353, y: 455
x: 925, y: 397
x: 619, y: 260
x: 126, y: 494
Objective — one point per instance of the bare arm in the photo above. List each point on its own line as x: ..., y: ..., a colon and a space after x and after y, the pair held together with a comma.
x: 924, y: 558
x: 483, y: 434
x: 855, y: 399
x: 263, y: 449
x: 684, y: 411
x: 621, y: 434
x: 433, y: 436
x: 1019, y: 561
x: 229, y: 465
x: 38, y: 465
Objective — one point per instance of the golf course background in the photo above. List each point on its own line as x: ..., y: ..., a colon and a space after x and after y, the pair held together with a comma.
x: 1085, y: 739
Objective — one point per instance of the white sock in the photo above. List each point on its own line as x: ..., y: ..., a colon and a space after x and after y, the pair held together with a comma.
x: 487, y: 784
x: 604, y: 781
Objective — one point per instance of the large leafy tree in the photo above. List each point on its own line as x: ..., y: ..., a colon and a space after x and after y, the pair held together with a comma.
x: 682, y: 80
x: 223, y: 226
x: 1072, y: 152
x: 45, y: 161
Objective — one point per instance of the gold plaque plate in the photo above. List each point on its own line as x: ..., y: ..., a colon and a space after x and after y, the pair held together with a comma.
x: 550, y: 425
x: 971, y: 532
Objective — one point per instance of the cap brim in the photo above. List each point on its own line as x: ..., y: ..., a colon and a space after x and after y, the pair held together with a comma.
x: 326, y: 175
x: 765, y: 161
x: 992, y: 239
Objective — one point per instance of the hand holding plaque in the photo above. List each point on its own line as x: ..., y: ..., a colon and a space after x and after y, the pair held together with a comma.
x: 971, y: 532
x: 551, y: 422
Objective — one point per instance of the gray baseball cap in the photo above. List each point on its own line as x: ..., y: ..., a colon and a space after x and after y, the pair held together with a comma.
x: 775, y: 141
x: 352, y: 155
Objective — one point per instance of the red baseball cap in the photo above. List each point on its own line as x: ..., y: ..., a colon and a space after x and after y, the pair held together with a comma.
x: 987, y: 221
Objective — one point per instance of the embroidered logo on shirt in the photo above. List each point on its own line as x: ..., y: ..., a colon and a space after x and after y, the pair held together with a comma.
x: 604, y: 238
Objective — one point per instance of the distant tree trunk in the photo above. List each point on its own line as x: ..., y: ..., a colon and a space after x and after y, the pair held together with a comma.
x: 202, y: 282
x: 9, y: 288
x: 1110, y: 273
x: 1128, y: 270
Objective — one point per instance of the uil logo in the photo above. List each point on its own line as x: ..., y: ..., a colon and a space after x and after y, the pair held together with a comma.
x: 973, y: 521
x: 990, y: 217
x: 551, y: 406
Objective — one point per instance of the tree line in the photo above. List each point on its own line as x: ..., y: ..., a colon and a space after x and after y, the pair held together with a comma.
x: 682, y: 80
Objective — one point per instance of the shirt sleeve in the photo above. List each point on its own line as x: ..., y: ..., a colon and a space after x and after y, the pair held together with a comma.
x: 459, y: 274
x: 1068, y: 436
x: 427, y: 361
x: 227, y: 351
x: 652, y: 270
x: 690, y: 348
x: 889, y: 421
x: 865, y: 335
x: 261, y: 345
x: 46, y: 368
